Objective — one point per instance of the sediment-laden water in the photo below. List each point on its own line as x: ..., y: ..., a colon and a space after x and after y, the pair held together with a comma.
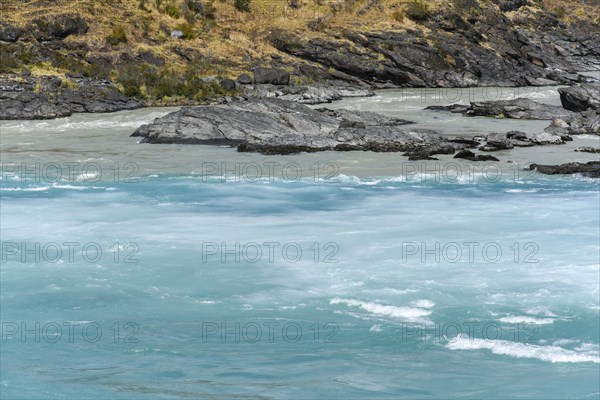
x: 155, y: 271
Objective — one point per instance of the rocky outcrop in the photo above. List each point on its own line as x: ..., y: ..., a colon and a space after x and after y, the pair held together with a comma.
x: 519, y: 108
x: 587, y: 122
x: 308, y: 94
x: 274, y: 126
x: 426, y: 153
x: 590, y: 169
x: 588, y: 149
x: 469, y: 155
x: 581, y: 97
x: 51, y: 97
x: 506, y: 141
x: 547, y: 138
x: 450, y: 50
x: 10, y: 33
x: 58, y: 27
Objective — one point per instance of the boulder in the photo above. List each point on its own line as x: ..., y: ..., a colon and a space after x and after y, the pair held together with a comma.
x: 228, y: 84
x: 10, y: 33
x: 426, y: 153
x: 512, y: 5
x: 469, y: 155
x: 176, y: 34
x: 59, y: 27
x: 497, y: 141
x: 581, y: 97
x: 273, y: 76
x: 244, y: 79
x: 546, y: 138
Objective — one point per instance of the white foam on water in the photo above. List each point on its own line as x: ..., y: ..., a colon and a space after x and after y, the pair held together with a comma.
x: 34, y: 189
x: 553, y: 354
x: 540, y: 311
x: 516, y: 319
x: 384, y: 310
x: 521, y: 191
x: 423, y: 303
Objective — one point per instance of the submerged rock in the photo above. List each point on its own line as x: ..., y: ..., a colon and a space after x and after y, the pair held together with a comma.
x: 274, y: 126
x: 590, y: 169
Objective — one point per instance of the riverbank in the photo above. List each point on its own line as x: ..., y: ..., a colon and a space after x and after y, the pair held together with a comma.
x: 159, y: 54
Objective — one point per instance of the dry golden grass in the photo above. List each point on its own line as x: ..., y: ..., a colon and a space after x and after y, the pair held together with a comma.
x: 235, y: 40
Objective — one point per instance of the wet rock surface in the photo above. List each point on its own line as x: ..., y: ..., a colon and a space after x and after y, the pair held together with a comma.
x: 590, y: 169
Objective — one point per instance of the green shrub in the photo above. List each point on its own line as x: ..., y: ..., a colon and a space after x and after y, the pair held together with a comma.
x: 560, y: 12
x: 210, y: 11
x: 242, y: 5
x: 117, y: 36
x: 172, y: 11
x: 8, y: 61
x: 188, y: 31
x: 417, y: 10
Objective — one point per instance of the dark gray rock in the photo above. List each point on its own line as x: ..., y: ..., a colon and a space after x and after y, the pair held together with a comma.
x: 448, y: 51
x: 309, y: 94
x: 497, y: 141
x: 195, y: 6
x: 59, y: 27
x: 588, y: 149
x: 47, y: 97
x: 228, y: 84
x: 589, y: 169
x: 426, y: 152
x: 271, y: 75
x: 587, y: 122
x: 506, y: 141
x: 581, y: 97
x: 453, y: 108
x: 244, y: 79
x: 519, y: 108
x: 469, y: 155
x: 10, y: 33
x: 274, y: 126
x: 512, y: 5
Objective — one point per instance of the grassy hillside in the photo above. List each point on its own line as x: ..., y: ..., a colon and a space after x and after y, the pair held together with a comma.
x: 129, y: 41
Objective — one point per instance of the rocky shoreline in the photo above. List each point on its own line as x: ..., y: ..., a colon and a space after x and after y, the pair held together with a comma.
x: 278, y: 126
x: 26, y: 97
x: 48, y: 97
